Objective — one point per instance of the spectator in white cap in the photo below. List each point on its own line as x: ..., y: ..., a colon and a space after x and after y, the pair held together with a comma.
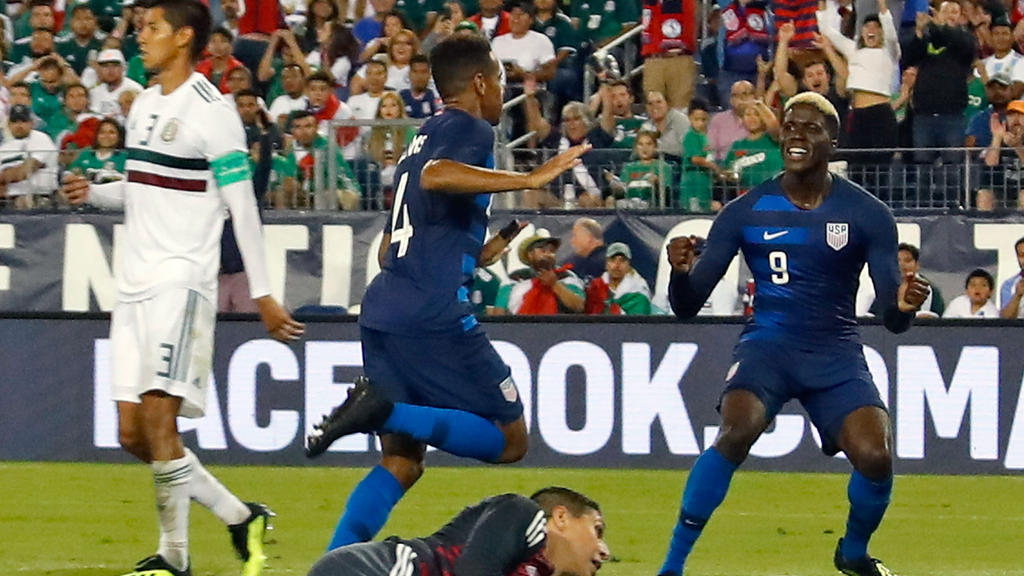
x: 103, y: 98
x: 620, y: 290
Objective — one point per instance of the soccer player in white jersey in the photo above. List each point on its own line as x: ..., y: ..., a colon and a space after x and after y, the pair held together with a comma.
x: 187, y: 162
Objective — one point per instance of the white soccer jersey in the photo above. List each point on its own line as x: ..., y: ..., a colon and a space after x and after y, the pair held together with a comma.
x: 103, y: 100
x: 38, y: 146
x: 180, y: 145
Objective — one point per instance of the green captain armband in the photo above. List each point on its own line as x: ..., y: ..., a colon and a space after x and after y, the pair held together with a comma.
x: 230, y: 168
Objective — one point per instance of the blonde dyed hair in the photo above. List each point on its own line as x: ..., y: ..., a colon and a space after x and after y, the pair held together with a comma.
x: 816, y: 100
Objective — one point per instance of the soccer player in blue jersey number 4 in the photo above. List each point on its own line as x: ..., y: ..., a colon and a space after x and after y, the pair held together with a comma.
x: 805, y: 235
x: 433, y: 377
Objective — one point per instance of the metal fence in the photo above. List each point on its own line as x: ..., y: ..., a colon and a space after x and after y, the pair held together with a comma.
x: 358, y: 175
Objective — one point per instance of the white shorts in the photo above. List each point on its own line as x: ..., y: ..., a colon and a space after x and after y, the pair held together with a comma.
x: 163, y: 343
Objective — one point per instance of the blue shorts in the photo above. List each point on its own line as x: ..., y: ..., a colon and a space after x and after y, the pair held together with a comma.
x: 830, y: 383
x: 461, y: 372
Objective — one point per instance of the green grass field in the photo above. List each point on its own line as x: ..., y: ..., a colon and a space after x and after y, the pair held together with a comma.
x: 98, y: 519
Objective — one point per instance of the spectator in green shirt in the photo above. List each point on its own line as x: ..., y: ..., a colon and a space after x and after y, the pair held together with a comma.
x: 598, y: 21
x: 621, y: 289
x: 615, y: 100
x: 643, y: 177
x: 39, y: 15
x: 297, y: 170
x: 76, y: 103
x: 82, y: 44
x: 699, y: 166
x: 104, y: 161
x: 757, y: 157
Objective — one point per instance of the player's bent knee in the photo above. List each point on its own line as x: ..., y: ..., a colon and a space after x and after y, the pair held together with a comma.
x: 874, y: 462
x: 734, y: 442
x: 134, y: 442
x: 516, y: 442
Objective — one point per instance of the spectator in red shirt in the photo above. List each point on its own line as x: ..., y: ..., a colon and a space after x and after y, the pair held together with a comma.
x: 221, y: 60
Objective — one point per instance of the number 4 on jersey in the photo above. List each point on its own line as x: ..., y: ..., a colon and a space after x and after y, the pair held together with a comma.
x: 401, y: 232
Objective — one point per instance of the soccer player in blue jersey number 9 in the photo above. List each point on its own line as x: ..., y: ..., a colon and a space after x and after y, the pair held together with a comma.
x: 805, y: 235
x: 433, y: 376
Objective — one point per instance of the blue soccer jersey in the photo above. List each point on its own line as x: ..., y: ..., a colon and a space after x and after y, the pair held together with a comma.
x: 806, y: 264
x: 425, y: 282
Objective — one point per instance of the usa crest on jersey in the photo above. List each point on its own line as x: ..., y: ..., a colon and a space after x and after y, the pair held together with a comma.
x: 837, y: 234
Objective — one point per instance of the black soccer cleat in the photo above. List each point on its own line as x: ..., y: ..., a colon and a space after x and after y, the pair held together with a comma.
x: 364, y: 411
x: 155, y: 565
x: 866, y: 566
x: 247, y: 538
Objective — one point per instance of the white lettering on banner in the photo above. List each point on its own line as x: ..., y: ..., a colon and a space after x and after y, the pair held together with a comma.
x: 278, y: 239
x: 336, y: 247
x: 86, y: 269
x: 599, y: 399
x: 646, y: 398
x: 976, y: 379
x: 1015, y: 446
x: 522, y: 374
x: 323, y: 392
x: 209, y: 429
x: 651, y: 391
x: 282, y: 425
x: 6, y: 243
x: 1000, y: 237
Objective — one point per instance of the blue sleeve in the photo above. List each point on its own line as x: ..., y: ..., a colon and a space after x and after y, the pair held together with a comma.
x: 688, y: 292
x: 883, y: 266
x: 468, y: 142
x: 1006, y: 291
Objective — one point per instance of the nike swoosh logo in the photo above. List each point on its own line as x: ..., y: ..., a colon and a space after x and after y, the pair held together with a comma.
x: 774, y: 235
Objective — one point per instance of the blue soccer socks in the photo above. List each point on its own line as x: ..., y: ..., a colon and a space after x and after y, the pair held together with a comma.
x: 868, y: 501
x: 705, y: 490
x: 454, y: 431
x: 367, y: 508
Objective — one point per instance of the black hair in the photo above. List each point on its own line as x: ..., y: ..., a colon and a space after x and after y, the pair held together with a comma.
x: 298, y: 115
x: 376, y: 62
x: 223, y: 31
x: 37, y: 3
x: 342, y: 44
x: 457, y: 59
x: 187, y: 13
x: 81, y: 6
x: 49, y: 63
x: 73, y: 85
x: 698, y: 103
x: 419, y: 59
x: 320, y: 76
x: 915, y: 253
x: 981, y: 273
x: 246, y: 92
x: 117, y: 126
x: 397, y: 14
x: 524, y: 5
x: 1016, y: 245
x: 21, y: 84
x: 552, y: 496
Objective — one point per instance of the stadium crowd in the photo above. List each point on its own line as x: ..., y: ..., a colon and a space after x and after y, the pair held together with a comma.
x: 682, y: 111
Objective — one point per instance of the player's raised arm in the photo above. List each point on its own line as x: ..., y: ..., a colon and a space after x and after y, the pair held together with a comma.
x: 230, y: 166
x: 900, y: 301
x: 451, y: 177
x: 694, y: 278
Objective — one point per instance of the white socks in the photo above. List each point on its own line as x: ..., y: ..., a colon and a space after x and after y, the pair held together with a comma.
x: 211, y: 494
x: 171, y: 479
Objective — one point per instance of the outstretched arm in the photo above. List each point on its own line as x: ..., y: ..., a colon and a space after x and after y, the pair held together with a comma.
x: 451, y: 177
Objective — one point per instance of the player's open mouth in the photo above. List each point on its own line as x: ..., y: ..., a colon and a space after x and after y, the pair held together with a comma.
x: 796, y: 152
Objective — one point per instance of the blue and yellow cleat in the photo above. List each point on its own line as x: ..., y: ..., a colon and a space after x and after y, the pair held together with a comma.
x: 247, y: 538
x: 155, y: 565
x: 866, y: 566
